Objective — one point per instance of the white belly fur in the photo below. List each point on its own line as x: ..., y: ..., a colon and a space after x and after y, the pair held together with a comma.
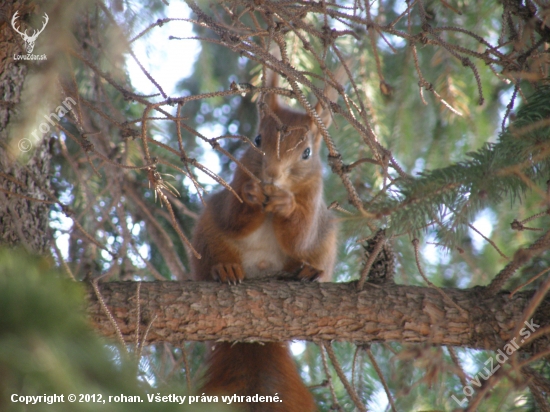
x: 260, y: 252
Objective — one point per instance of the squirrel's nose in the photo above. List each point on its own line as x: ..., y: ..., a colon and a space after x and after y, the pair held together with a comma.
x: 271, y: 173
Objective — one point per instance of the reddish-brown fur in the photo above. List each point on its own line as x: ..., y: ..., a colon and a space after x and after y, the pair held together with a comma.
x: 282, y: 224
x: 266, y: 370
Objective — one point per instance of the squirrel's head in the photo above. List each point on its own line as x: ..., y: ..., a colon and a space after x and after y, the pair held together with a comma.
x: 291, y: 143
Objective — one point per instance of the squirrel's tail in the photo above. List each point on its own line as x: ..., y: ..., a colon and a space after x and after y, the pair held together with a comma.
x: 250, y: 369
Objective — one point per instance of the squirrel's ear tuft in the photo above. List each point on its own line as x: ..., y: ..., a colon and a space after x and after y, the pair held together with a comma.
x: 324, y: 114
x: 331, y: 94
x: 326, y: 118
x: 272, y: 99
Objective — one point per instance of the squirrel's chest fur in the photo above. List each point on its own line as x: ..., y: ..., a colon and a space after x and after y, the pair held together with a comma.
x: 260, y: 251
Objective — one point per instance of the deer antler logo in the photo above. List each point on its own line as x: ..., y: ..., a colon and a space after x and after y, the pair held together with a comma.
x: 29, y: 40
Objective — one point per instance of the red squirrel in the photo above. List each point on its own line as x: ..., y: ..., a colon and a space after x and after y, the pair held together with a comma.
x: 282, y: 224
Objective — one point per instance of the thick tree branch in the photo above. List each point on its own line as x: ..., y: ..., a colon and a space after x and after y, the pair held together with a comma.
x: 279, y: 311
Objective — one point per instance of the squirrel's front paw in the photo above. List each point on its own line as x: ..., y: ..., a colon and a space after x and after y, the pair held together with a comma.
x: 231, y: 273
x: 253, y: 193
x: 308, y: 273
x: 279, y: 201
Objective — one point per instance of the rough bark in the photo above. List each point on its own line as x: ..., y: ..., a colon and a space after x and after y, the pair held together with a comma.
x: 23, y: 221
x: 279, y: 311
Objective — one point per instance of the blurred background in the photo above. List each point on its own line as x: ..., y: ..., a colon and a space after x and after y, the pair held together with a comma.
x: 428, y: 120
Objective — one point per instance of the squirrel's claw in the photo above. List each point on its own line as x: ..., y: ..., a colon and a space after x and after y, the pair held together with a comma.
x: 308, y: 273
x: 231, y: 273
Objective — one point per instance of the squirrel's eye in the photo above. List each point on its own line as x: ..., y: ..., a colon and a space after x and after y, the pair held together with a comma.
x: 306, y: 153
x: 258, y: 140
